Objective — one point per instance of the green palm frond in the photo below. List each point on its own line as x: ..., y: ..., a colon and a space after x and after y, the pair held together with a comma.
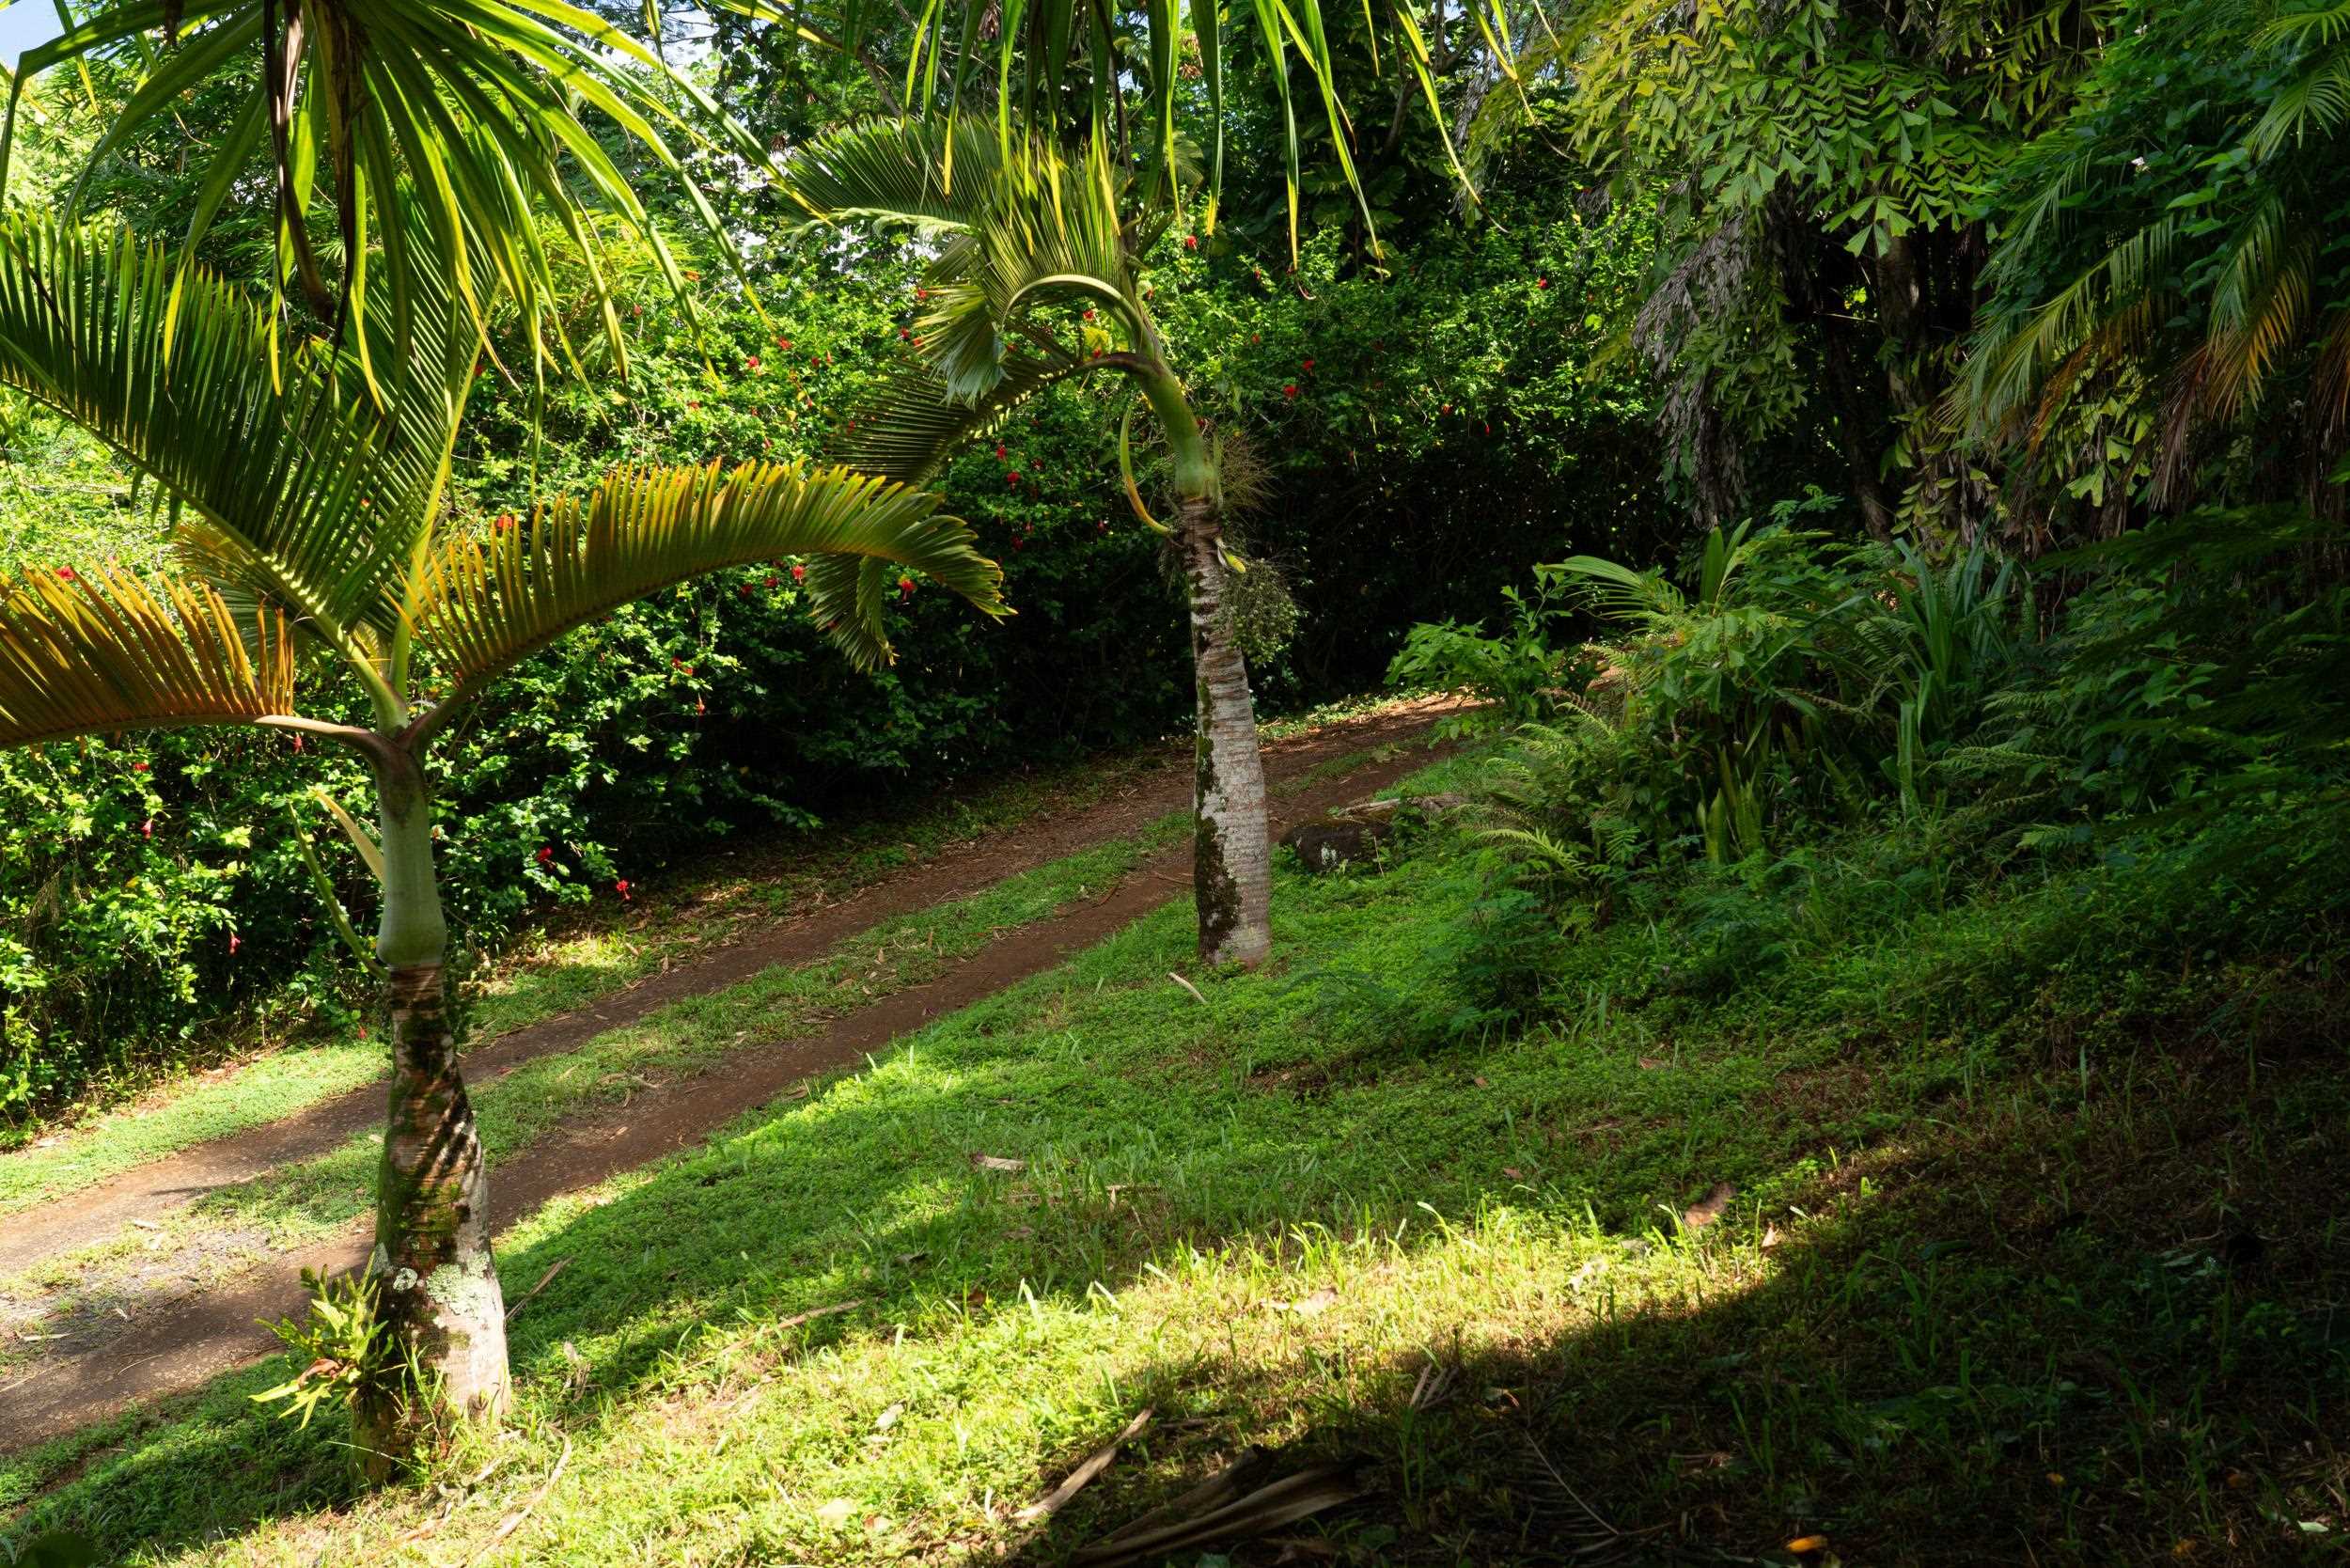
x: 1028, y: 229
x: 475, y: 110
x: 912, y: 425
x: 177, y: 370
x: 91, y: 654
x: 2107, y: 306
x: 925, y: 175
x: 1622, y: 593
x: 480, y: 607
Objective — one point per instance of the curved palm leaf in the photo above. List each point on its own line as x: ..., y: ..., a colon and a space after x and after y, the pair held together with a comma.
x: 92, y: 654
x: 175, y: 370
x: 471, y: 108
x: 480, y: 608
x: 1028, y: 226
x: 920, y: 173
x: 913, y: 425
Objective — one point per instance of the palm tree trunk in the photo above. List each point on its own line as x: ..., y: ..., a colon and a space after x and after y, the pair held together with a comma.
x: 1232, y: 853
x: 437, y: 1293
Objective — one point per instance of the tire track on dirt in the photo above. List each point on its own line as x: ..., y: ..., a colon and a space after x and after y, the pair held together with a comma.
x: 177, y: 1345
x: 96, y: 1212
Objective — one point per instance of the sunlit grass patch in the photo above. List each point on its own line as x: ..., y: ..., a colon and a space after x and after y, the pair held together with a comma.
x: 1704, y: 1269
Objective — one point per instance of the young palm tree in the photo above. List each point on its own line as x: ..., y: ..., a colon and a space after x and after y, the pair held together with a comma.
x: 312, y: 529
x: 1023, y: 233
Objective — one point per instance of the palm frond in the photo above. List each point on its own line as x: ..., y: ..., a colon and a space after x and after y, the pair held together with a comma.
x: 91, y: 654
x: 925, y: 175
x: 478, y: 111
x: 1028, y: 226
x: 480, y: 607
x: 175, y: 370
x: 1125, y: 73
x: 912, y: 425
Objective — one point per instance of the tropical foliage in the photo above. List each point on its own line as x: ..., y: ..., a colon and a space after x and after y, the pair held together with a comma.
x: 476, y: 115
x: 307, y: 521
x: 1026, y: 238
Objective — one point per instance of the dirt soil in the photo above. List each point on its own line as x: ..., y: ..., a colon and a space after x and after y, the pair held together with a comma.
x: 113, y: 1362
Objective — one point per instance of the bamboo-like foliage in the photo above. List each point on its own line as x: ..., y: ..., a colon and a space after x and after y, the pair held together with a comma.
x: 473, y: 110
x: 480, y: 607
x: 85, y: 654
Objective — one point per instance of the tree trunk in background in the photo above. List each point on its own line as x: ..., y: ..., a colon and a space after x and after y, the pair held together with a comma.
x: 436, y: 1294
x: 1231, y: 847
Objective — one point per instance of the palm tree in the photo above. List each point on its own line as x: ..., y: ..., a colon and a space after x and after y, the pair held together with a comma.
x: 1024, y: 236
x: 1126, y: 73
x: 315, y: 540
x: 474, y: 113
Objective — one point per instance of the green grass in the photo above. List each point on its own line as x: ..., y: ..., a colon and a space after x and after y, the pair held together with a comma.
x: 195, y: 1110
x: 1963, y: 1305
x: 308, y: 1199
x: 579, y: 959
x: 573, y: 962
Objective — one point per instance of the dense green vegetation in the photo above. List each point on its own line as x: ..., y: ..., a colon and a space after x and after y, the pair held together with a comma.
x: 1985, y: 1155
x: 1853, y: 1074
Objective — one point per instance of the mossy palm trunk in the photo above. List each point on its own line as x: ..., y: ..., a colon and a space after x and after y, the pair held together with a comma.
x: 436, y: 1286
x: 1232, y: 852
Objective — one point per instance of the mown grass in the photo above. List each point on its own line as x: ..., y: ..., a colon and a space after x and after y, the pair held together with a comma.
x: 577, y: 958
x: 308, y: 1199
x: 580, y: 958
x: 2018, y: 1261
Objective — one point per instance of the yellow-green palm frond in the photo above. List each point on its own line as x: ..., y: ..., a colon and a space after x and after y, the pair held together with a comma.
x: 479, y: 113
x: 1028, y: 226
x: 178, y: 372
x: 2257, y: 307
x: 91, y: 654
x: 912, y: 425
x: 2110, y: 305
x: 481, y: 606
x: 924, y: 175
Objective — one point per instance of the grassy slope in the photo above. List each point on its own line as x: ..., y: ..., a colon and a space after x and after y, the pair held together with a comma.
x: 308, y: 1199
x: 1983, y: 1287
x: 546, y: 974
x: 582, y: 958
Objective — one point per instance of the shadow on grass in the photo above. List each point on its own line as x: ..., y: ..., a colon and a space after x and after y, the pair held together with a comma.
x: 2024, y: 1328
x: 2011, y: 1340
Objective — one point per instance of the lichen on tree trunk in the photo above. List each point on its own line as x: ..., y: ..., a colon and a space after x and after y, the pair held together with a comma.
x: 435, y: 1282
x: 1232, y: 853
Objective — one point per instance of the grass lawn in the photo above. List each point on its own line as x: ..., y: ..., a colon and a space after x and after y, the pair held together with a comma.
x: 578, y: 957
x: 1825, y: 1217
